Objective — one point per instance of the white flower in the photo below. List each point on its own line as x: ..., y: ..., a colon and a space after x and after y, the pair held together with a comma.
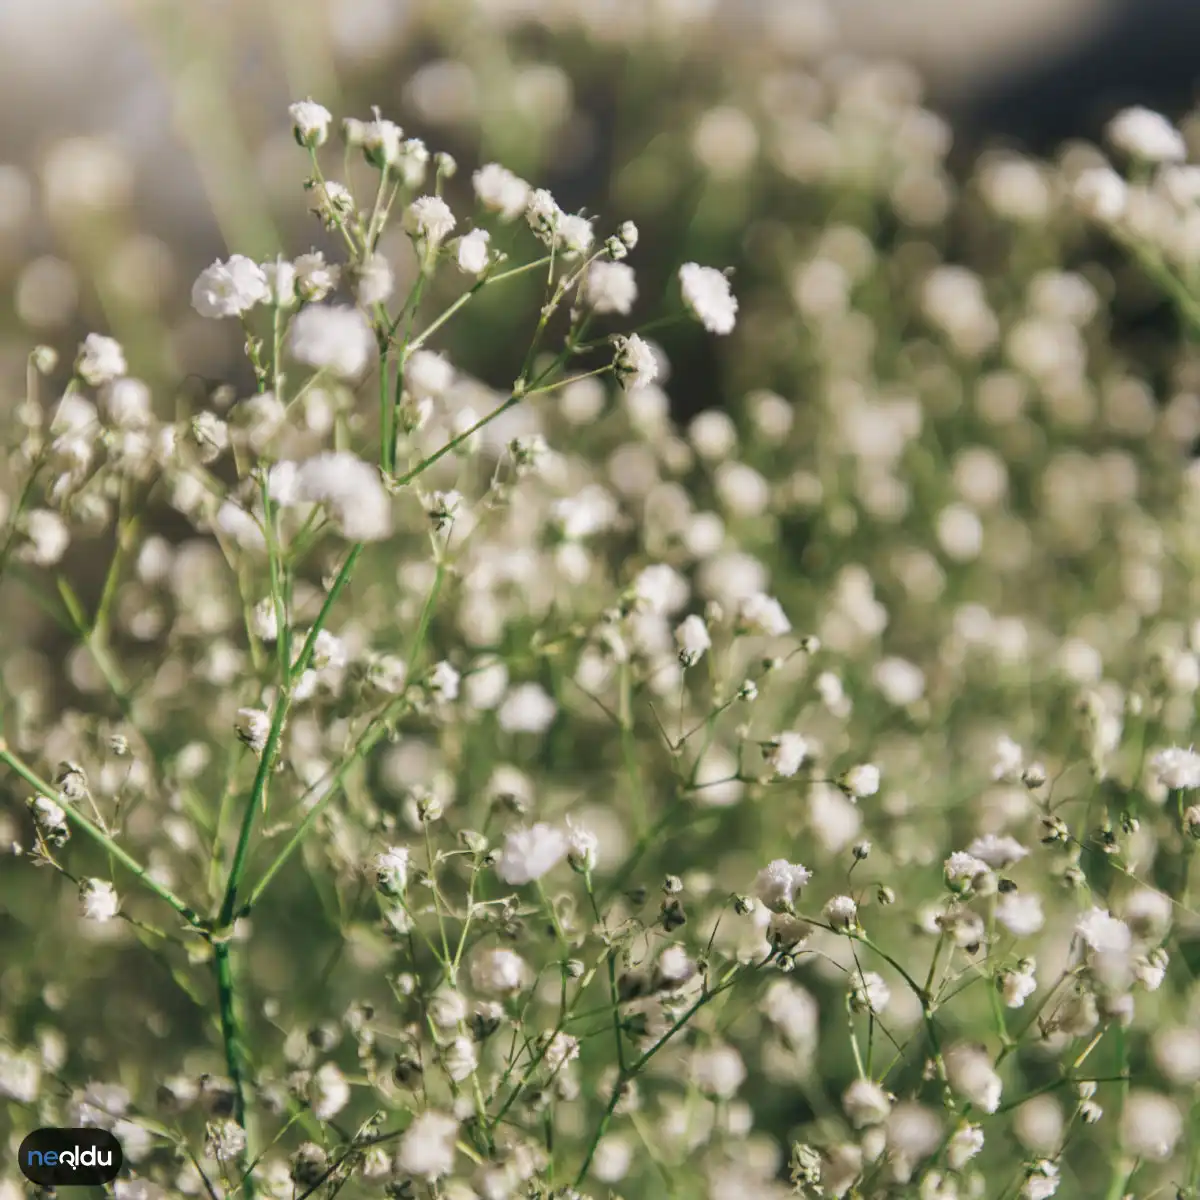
x: 375, y: 281
x: 543, y: 214
x: 841, y: 912
x: 98, y: 900
x: 315, y: 278
x: 1103, y: 933
x: 777, y: 883
x: 1101, y: 194
x: 859, y: 781
x: 1020, y: 913
x: 1018, y: 985
x: 428, y: 375
x: 253, y: 726
x: 330, y: 1092
x: 708, y: 297
x: 660, y: 589
x: 391, y: 870
x: 1042, y: 1181
x: 962, y: 868
x: 430, y: 219
x: 610, y: 287
x: 527, y: 709
x: 127, y: 403
x: 381, y: 141
x: 351, y: 490
x: 692, y: 638
x: 866, y: 1103
x: 228, y: 289
x: 460, y: 1059
x: 310, y: 122
x: 47, y: 537
x: 530, y: 853
x: 100, y: 360
x: 473, y: 252
x: 786, y: 754
x: 869, y: 992
x: 443, y: 682
x: 1146, y: 135
x: 966, y: 1143
x: 500, y: 191
x: 583, y: 846
x: 563, y: 1049
x: 718, y: 1071
x: 634, y: 363
x: 1150, y: 1125
x: 998, y: 852
x: 1010, y: 760
x: 426, y: 1150
x: 334, y: 338
x: 762, y: 614
x: 970, y: 1073
x: 1177, y: 768
x: 575, y: 236
x: 498, y: 970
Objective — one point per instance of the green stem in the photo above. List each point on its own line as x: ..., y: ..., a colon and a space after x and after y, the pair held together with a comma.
x: 231, y: 1035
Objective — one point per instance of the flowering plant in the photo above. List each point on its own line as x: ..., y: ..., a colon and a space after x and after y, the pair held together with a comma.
x: 492, y: 699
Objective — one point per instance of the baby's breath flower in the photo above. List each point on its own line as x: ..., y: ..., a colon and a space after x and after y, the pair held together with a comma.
x: 582, y: 847
x: 98, y: 900
x: 1177, y: 768
x: 473, y: 252
x: 224, y: 1140
x: 429, y: 218
x: 427, y: 1149
x: 610, y: 287
x: 332, y: 338
x: 707, y: 296
x: 1020, y: 913
x: 841, y: 912
x: 1102, y: 932
x: 964, y: 1145
x: 777, y: 883
x: 634, y: 363
x: 866, y: 1103
x: 692, y: 638
x: 1042, y: 1181
x: 500, y: 191
x: 310, y: 123
x: 443, y: 682
x: 1146, y: 135
x: 380, y: 141
x: 352, y: 492
x: 1017, y: 985
x: 391, y: 870
x: 860, y: 781
x: 229, y: 289
x: 100, y: 360
x: 315, y: 278
x: 529, y: 854
x: 869, y: 992
x: 498, y: 971
x: 46, y: 537
x: 786, y: 753
x: 253, y: 726
x: 374, y: 282
x: 969, y: 1070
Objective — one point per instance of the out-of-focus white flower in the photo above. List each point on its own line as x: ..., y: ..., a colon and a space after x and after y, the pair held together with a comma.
x: 335, y: 338
x: 98, y: 900
x: 350, y: 489
x: 375, y: 281
x: 330, y: 1092
x: 315, y: 278
x: 1103, y: 933
x: 527, y: 709
x: 426, y: 1150
x: 708, y: 297
x: 786, y: 753
x: 861, y: 780
x: 692, y: 639
x: 1020, y: 913
x: 1147, y: 135
x: 500, y: 191
x: 229, y: 289
x: 499, y: 971
x: 253, y: 727
x: 529, y: 854
x: 1151, y: 1125
x: 970, y: 1073
x: 100, y: 360
x: 763, y: 614
x: 610, y: 287
x: 391, y: 870
x: 866, y: 1103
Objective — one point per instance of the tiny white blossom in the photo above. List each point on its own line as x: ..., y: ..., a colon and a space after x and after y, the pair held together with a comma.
x: 498, y: 970
x: 391, y: 870
x: 997, y: 851
x: 430, y: 219
x: 763, y: 614
x: 786, y: 753
x: 1146, y: 135
x: 777, y: 883
x: 253, y: 726
x: 866, y: 1103
x: 610, y: 287
x: 310, y: 122
x: 443, y: 682
x: 98, y: 900
x: 965, y: 1144
x: 229, y: 289
x: 841, y: 912
x: 375, y: 281
x: 350, y: 489
x: 708, y: 297
x: 1042, y: 1181
x: 634, y: 363
x: 499, y: 190
x: 330, y: 1092
x: 100, y: 360
x: 335, y: 338
x: 529, y: 854
x: 315, y: 278
x: 1020, y: 913
x: 969, y: 1070
x: 1102, y: 932
x: 861, y: 780
x: 1177, y: 768
x: 527, y: 709
x: 473, y: 252
x: 692, y: 638
x: 582, y: 847
x: 427, y: 1149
